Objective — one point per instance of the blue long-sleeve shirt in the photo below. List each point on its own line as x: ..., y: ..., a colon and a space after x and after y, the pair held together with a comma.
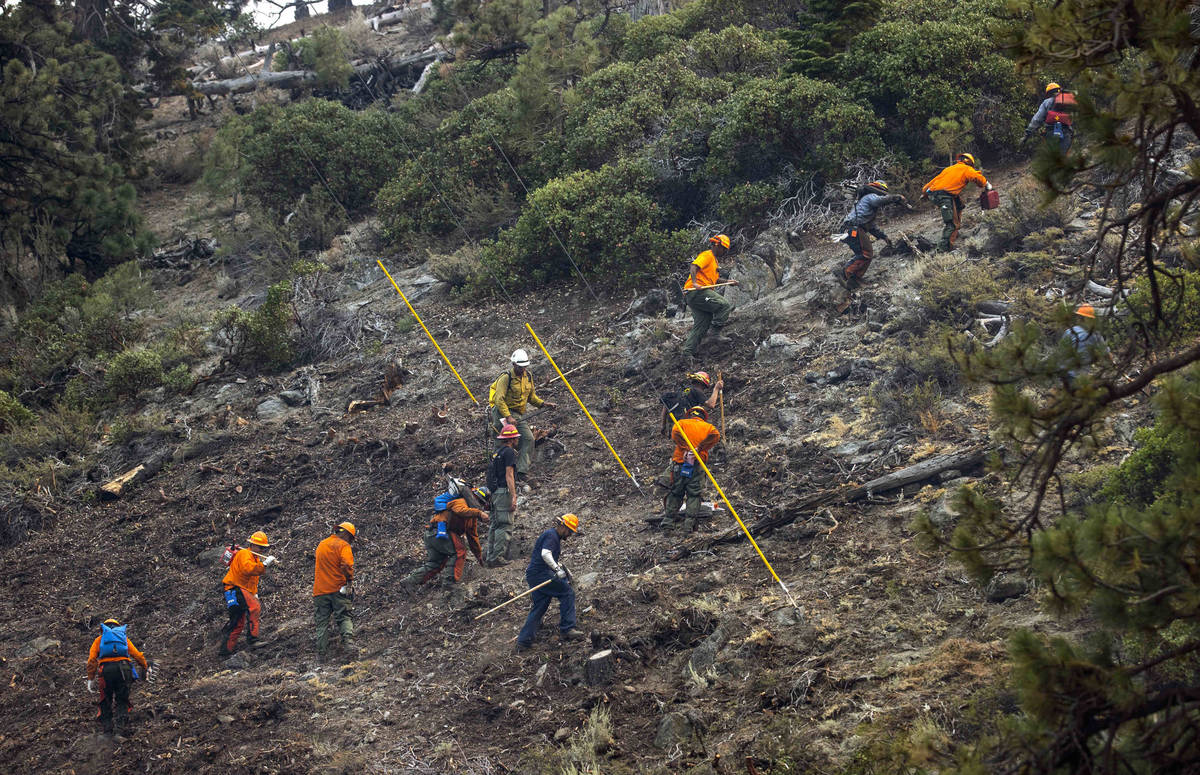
x: 538, y: 570
x: 866, y: 210
x: 1039, y: 118
x: 1087, y: 343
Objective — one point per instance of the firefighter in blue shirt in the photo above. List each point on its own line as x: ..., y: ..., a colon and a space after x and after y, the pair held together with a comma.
x: 544, y: 566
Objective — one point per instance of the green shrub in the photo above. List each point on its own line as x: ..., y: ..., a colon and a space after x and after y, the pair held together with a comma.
x: 1024, y: 216
x: 748, y: 203
x: 460, y: 268
x: 952, y: 293
x: 922, y: 372
x: 12, y: 413
x: 326, y: 52
x: 261, y: 337
x: 1180, y: 295
x: 912, y: 71
x: 608, y: 222
x: 60, y: 433
x: 1142, y: 477
x: 132, y: 371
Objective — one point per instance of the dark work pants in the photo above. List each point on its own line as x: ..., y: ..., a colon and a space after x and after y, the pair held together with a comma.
x: 116, y: 679
x: 541, y: 602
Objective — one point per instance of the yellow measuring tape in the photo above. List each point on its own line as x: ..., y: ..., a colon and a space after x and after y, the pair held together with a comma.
x: 584, y: 408
x: 733, y: 511
x: 426, y: 330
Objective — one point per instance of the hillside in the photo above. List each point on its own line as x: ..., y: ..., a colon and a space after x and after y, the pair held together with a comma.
x: 975, y: 475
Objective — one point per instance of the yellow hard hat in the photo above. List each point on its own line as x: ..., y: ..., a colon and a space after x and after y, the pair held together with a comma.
x: 348, y: 527
x: 721, y: 240
x: 968, y: 158
x: 570, y: 521
x: 1086, y: 311
x: 259, y: 539
x: 112, y: 622
x: 1052, y: 86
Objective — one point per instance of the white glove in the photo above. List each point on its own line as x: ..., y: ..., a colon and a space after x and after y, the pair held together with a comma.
x: 988, y: 186
x: 561, y: 572
x: 151, y: 674
x: 344, y: 590
x: 270, y: 560
x: 91, y: 686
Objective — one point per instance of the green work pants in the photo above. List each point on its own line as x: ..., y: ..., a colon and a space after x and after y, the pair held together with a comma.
x: 499, y: 526
x: 691, y: 489
x: 951, y: 208
x: 439, y: 560
x: 340, y: 608
x: 525, y: 446
x: 709, y: 308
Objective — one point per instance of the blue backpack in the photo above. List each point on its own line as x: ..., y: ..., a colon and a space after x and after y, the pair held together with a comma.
x: 113, y: 642
x: 442, y: 502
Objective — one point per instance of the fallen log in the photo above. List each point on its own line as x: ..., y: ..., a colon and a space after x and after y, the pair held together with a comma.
x: 292, y: 79
x: 918, y: 472
x: 115, y: 488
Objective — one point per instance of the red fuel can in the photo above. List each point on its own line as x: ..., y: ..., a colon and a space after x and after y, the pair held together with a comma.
x: 989, y: 200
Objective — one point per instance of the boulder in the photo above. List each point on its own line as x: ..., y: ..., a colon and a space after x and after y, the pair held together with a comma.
x: 704, y: 656
x: 789, y: 418
x: 239, y: 661
x: 652, y: 304
x: 209, y: 557
x: 778, y: 347
x: 674, y: 729
x: 38, y: 646
x: 271, y: 409
x: 1005, y: 587
x: 294, y: 397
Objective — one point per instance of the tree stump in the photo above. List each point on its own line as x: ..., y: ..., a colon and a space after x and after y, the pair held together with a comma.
x: 601, y: 668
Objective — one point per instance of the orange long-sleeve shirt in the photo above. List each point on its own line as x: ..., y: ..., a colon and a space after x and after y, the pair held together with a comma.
x: 703, y: 435
x: 244, y: 570
x: 335, y: 566
x: 94, y: 660
x: 955, y: 178
x: 461, y: 519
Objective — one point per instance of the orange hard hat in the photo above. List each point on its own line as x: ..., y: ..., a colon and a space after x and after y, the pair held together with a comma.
x: 509, y: 432
x: 570, y: 521
x: 1086, y: 311
x: 259, y: 539
x: 348, y: 527
x: 1052, y: 86
x: 968, y: 158
x: 701, y: 376
x: 720, y: 239
x: 698, y: 411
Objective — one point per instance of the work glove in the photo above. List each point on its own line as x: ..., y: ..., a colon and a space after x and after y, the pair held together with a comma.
x: 151, y: 674
x: 989, y: 187
x: 347, y: 590
x: 91, y: 686
x: 561, y: 572
x: 270, y: 560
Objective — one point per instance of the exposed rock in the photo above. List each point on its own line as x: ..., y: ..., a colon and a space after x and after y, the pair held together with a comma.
x: 37, y: 646
x: 225, y: 718
x: 830, y: 377
x: 674, y: 729
x: 271, y: 409
x: 651, y: 304
x: 850, y: 448
x: 779, y: 347
x: 944, y: 515
x: 788, y: 616
x: 239, y: 661
x: 209, y: 557
x: 293, y: 397
x: 586, y: 580
x: 704, y: 656
x: 1004, y: 587
x: 789, y: 418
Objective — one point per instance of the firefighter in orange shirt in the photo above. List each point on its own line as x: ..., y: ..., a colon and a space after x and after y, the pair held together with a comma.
x: 333, y: 594
x: 241, y: 592
x: 687, y: 478
x: 111, y: 671
x: 944, y: 191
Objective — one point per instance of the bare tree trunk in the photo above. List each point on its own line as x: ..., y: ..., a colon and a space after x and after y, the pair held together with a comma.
x: 302, y: 11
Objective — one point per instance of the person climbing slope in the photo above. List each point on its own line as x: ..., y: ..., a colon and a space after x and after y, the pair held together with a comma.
x: 544, y: 566
x: 1053, y: 119
x: 510, y: 394
x: 699, y: 391
x: 111, y: 670
x: 241, y: 593
x: 859, y: 226
x: 333, y: 593
x: 1087, y: 343
x: 944, y: 191
x: 452, y: 530
x: 686, y: 475
x: 501, y: 482
x: 709, y: 308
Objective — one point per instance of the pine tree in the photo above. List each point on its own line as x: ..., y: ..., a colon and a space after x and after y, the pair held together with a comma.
x: 824, y: 31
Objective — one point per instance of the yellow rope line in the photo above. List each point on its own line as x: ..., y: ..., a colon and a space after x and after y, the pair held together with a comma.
x: 733, y: 511
x: 581, y: 406
x: 426, y: 330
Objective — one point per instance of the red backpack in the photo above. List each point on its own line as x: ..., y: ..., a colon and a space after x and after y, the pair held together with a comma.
x: 1060, y: 112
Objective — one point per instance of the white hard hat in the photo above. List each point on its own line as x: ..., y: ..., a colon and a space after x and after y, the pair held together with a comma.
x: 520, y: 358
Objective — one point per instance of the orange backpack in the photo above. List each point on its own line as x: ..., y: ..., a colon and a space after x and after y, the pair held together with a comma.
x: 1060, y: 112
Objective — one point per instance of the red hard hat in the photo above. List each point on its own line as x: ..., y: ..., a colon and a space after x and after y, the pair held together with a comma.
x: 509, y: 432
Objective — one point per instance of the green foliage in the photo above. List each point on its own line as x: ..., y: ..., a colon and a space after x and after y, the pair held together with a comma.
x: 276, y: 155
x: 608, y: 221
x: 71, y: 132
x: 326, y: 52
x: 748, y: 203
x: 922, y: 372
x: 1179, y: 301
x: 260, y: 337
x: 12, y: 413
x: 132, y: 371
x: 950, y: 133
x: 914, y: 71
x: 1142, y: 477
x: 1024, y: 214
x: 824, y: 31
x: 952, y: 293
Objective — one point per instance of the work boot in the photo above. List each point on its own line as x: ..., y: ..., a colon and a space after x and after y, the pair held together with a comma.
x: 571, y: 634
x: 689, y: 525
x: 839, y: 274
x: 499, y: 562
x: 224, y: 652
x: 522, y: 647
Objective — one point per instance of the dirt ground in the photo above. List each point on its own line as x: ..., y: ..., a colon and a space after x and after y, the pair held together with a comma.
x: 713, y: 661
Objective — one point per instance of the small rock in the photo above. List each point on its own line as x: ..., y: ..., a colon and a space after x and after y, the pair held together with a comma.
x: 673, y: 730
x: 586, y: 580
x: 1004, y: 587
x: 950, y: 475
x: 788, y: 616
x: 38, y: 646
x: 789, y: 418
x: 209, y: 557
x: 944, y: 515
x: 224, y: 718
x: 850, y: 448
x: 239, y: 661
x: 271, y: 409
x: 561, y: 734
x: 293, y: 397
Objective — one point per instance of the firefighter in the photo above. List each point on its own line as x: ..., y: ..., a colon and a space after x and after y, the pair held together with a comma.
x: 860, y: 226
x: 112, y: 667
x: 544, y: 566
x: 944, y: 191
x: 241, y: 592
x: 1053, y: 119
x: 687, y: 477
x: 452, y: 530
x: 333, y: 591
